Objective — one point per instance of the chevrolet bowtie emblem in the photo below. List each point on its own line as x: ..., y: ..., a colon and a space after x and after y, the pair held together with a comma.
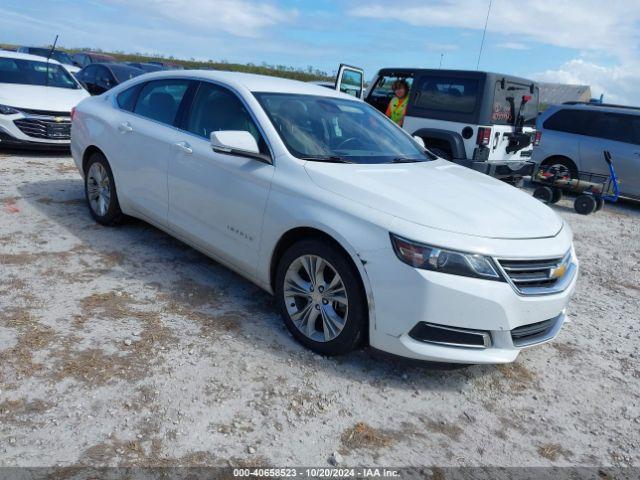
x: 58, y: 119
x: 558, y: 272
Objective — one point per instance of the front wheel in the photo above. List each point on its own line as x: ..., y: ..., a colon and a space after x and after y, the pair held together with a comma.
x: 100, y: 191
x: 320, y: 298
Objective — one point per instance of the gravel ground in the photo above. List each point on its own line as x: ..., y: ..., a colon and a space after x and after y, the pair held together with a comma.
x: 122, y: 346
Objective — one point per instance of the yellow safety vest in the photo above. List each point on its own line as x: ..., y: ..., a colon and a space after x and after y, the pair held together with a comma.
x: 397, y: 108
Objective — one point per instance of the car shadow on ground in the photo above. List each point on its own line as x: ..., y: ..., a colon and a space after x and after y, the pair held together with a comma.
x: 42, y: 153
x: 146, y: 251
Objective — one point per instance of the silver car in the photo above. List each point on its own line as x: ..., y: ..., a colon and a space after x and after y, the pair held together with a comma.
x: 574, y: 136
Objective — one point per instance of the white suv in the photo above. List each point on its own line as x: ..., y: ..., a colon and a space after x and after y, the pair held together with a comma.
x: 485, y: 121
x: 316, y: 197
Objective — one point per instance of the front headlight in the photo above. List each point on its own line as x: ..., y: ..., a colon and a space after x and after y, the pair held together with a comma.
x: 7, y: 110
x: 442, y: 260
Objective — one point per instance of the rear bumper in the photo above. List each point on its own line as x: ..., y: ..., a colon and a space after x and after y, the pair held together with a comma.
x: 501, y: 168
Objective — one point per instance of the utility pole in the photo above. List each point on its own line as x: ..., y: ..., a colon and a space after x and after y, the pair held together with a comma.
x: 484, y: 32
x: 441, y: 57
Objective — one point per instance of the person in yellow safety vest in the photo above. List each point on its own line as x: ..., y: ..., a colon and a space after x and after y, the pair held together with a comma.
x: 398, y: 105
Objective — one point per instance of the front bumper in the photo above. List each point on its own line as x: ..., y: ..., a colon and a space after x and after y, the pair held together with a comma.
x: 404, y: 297
x: 35, y: 130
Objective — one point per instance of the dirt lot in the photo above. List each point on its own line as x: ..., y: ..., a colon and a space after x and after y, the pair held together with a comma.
x: 122, y: 346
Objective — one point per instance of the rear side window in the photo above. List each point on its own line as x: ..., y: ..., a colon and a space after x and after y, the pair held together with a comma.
x: 161, y: 99
x: 457, y: 95
x: 127, y: 100
x: 570, y: 121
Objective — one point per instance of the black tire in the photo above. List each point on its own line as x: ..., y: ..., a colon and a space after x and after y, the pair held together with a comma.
x: 112, y: 215
x: 544, y: 194
x: 440, y: 153
x: 585, y: 204
x: 354, y: 330
x: 599, y: 203
x: 561, y: 165
x: 557, y: 195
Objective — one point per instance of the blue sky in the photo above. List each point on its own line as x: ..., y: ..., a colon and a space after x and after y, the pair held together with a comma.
x: 577, y: 41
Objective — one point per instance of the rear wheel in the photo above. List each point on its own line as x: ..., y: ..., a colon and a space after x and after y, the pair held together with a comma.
x: 100, y: 191
x: 320, y: 298
x: 544, y: 194
x: 560, y: 166
x: 585, y: 204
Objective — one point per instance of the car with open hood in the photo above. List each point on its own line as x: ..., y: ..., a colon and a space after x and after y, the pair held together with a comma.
x: 362, y: 235
x: 36, y: 99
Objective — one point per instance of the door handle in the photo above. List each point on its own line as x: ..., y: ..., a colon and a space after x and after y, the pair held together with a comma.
x: 125, y: 127
x: 185, y: 147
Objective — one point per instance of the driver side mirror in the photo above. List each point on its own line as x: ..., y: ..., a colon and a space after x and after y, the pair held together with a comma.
x: 237, y: 142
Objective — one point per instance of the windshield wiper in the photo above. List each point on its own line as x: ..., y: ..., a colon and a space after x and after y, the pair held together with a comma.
x: 328, y: 159
x: 406, y: 160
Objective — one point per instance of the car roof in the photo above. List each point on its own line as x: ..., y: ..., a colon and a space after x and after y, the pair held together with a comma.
x: 599, y: 107
x: 26, y: 56
x: 252, y: 82
x: 493, y: 76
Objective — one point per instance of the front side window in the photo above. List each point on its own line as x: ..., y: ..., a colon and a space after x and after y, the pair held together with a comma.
x: 28, y: 72
x: 322, y: 128
x: 161, y: 99
x: 382, y: 93
x: 458, y: 95
x: 215, y: 108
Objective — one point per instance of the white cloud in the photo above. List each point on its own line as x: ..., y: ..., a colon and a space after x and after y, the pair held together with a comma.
x: 618, y: 84
x: 586, y: 24
x: 241, y: 18
x: 513, y: 46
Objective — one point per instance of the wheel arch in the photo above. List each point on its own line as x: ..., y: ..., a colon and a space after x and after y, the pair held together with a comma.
x: 297, y: 234
x: 453, y: 139
x: 86, y: 155
x: 569, y: 160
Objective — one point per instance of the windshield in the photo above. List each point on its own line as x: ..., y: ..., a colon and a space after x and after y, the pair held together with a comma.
x: 28, y: 72
x: 61, y: 57
x: 315, y: 127
x: 123, y: 74
x: 507, y: 101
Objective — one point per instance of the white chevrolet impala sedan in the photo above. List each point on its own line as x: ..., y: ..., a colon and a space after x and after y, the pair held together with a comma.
x: 361, y: 235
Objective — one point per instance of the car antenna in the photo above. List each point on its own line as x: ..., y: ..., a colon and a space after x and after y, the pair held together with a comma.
x: 53, y: 48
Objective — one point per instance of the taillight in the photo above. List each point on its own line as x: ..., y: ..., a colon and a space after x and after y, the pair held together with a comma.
x: 73, y: 113
x: 536, y: 139
x: 484, y: 136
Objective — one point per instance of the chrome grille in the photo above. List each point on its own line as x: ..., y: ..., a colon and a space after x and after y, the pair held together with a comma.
x: 43, y: 127
x: 539, y: 277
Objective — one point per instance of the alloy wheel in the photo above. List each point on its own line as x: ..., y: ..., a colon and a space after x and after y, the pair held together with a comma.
x: 98, y: 189
x: 316, y: 298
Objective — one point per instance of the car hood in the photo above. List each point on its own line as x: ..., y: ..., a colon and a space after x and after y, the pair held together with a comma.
x: 39, y: 97
x: 440, y: 195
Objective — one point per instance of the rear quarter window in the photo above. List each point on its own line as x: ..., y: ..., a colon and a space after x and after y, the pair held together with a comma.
x: 127, y: 100
x: 458, y: 95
